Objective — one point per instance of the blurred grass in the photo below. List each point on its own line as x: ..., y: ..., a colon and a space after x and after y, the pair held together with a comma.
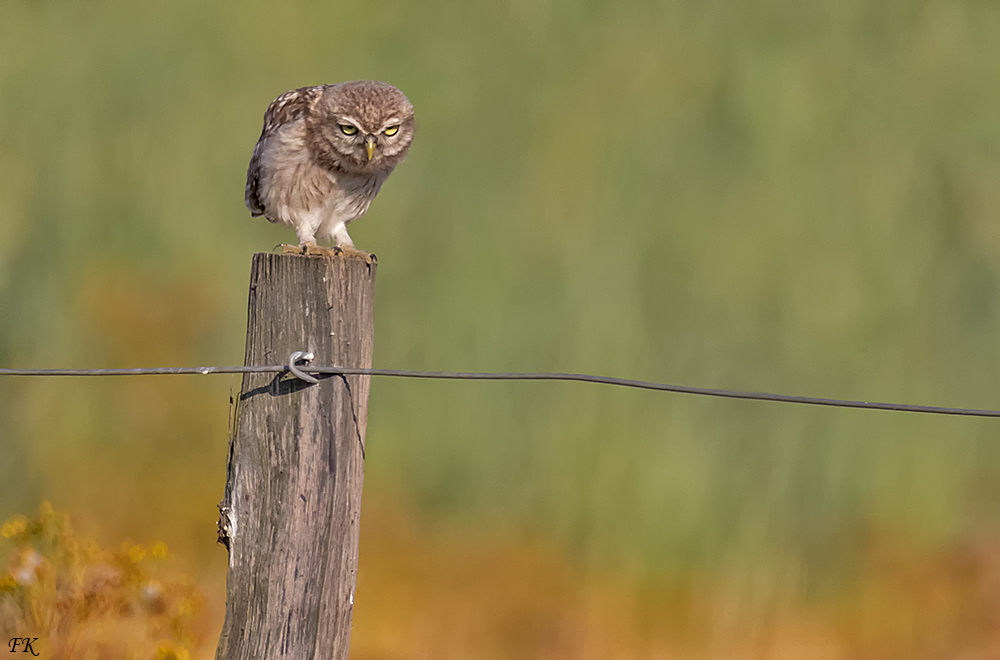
x: 760, y: 195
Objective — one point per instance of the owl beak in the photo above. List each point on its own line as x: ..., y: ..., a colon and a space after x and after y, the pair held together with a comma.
x: 370, y: 146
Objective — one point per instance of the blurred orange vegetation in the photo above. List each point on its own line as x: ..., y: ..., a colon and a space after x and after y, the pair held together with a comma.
x: 83, y: 601
x: 425, y: 593
x: 432, y: 596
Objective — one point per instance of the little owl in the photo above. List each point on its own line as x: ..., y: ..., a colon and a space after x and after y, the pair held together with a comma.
x: 323, y: 156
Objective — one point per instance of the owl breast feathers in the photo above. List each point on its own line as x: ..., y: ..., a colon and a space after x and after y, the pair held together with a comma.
x: 324, y: 154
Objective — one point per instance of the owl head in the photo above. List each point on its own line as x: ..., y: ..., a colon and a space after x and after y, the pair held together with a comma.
x: 361, y: 127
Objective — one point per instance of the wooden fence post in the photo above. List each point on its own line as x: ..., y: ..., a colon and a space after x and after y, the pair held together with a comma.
x: 291, y: 510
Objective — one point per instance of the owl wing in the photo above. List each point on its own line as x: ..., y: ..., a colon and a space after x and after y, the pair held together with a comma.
x: 287, y: 108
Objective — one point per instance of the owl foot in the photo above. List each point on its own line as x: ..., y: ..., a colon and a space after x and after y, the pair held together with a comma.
x: 298, y: 249
x: 306, y: 250
x: 352, y: 252
x: 313, y: 250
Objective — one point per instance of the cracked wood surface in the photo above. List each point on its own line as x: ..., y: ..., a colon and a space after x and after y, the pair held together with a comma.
x: 291, y: 509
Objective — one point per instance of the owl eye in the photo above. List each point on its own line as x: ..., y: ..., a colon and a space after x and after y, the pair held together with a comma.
x: 392, y: 130
x: 347, y: 129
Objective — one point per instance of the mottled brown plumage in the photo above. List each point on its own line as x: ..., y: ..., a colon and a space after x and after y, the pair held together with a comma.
x: 324, y: 153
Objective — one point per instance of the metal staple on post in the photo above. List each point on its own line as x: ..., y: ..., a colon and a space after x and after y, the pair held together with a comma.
x: 294, y: 369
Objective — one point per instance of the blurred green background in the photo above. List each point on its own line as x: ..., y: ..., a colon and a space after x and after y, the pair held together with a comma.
x: 764, y: 195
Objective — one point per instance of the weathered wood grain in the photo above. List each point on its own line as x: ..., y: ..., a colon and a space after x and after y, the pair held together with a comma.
x: 291, y: 509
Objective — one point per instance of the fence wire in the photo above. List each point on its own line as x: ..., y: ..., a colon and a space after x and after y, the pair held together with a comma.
x: 297, y: 371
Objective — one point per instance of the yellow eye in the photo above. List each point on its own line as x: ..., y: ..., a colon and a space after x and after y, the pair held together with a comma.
x: 392, y: 130
x: 347, y: 129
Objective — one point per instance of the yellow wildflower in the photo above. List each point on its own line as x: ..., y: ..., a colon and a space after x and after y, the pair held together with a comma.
x: 136, y: 554
x: 14, y: 526
x: 159, y: 550
x: 169, y: 652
